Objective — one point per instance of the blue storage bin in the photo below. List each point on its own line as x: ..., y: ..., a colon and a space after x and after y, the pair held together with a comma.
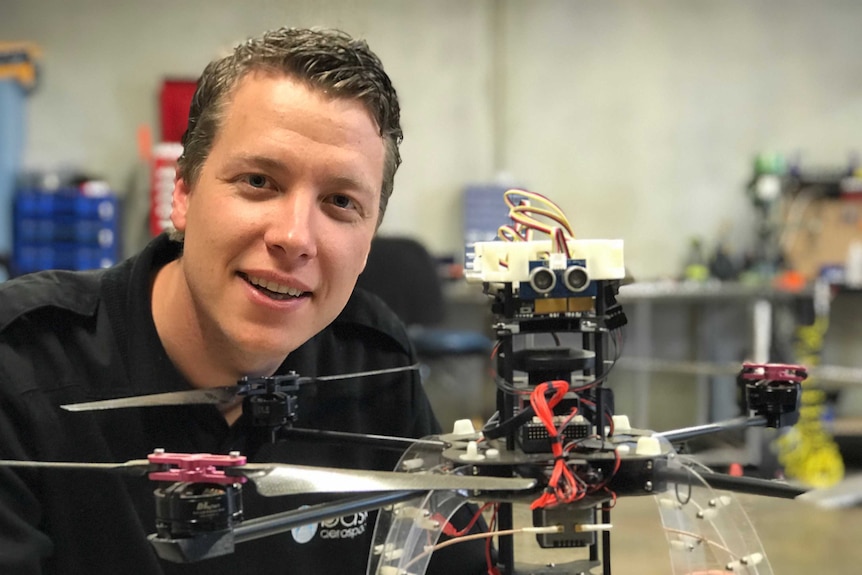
x: 64, y: 229
x: 11, y: 148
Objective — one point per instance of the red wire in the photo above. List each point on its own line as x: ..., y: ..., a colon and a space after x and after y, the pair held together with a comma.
x: 562, y: 486
x: 562, y: 244
x: 590, y: 385
x: 610, y: 419
x: 568, y: 420
x: 492, y: 524
x: 613, y: 502
x: 450, y: 530
x: 617, y: 463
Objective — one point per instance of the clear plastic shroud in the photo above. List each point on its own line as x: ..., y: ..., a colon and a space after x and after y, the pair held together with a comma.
x: 707, y: 530
x: 405, y: 533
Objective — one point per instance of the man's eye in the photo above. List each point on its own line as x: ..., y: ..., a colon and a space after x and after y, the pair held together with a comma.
x: 256, y: 180
x: 342, y: 201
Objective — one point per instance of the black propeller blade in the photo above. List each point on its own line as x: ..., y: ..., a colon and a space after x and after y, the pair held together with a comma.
x: 221, y: 395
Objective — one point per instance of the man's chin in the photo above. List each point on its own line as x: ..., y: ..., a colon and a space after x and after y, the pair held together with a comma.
x: 265, y: 351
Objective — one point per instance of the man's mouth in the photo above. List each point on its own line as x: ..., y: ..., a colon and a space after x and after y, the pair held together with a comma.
x: 272, y: 289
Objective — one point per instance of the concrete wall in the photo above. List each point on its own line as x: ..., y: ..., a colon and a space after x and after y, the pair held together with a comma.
x: 640, y: 117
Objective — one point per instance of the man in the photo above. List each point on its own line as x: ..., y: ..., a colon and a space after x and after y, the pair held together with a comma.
x: 289, y: 160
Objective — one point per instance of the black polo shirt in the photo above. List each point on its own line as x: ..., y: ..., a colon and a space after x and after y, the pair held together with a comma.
x: 68, y: 337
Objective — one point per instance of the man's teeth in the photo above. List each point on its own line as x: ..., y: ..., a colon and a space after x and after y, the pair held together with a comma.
x: 274, y: 287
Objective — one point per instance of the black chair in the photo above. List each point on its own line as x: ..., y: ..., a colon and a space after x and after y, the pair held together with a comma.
x: 404, y: 275
x: 454, y: 361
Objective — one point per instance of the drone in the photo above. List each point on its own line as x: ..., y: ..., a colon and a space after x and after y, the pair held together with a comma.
x: 554, y: 442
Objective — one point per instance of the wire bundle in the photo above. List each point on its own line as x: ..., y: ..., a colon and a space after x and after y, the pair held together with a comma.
x: 563, y: 487
x: 524, y: 211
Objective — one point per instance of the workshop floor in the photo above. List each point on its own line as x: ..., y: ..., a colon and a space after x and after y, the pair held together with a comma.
x: 799, y: 538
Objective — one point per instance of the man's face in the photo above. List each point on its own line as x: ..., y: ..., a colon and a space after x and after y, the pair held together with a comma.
x: 279, y: 224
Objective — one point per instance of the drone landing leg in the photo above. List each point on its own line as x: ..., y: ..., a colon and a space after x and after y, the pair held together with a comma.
x: 506, y: 543
x: 606, y: 543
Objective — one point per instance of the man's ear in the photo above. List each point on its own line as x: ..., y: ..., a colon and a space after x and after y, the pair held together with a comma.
x: 367, y: 254
x: 180, y: 204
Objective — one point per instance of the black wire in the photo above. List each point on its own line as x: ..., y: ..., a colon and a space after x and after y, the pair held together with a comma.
x: 676, y: 490
x: 510, y: 424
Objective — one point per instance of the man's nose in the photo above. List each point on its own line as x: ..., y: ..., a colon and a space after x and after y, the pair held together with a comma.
x: 291, y: 224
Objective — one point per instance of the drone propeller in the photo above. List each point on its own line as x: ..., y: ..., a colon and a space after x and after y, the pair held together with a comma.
x: 211, y: 396
x: 133, y: 467
x: 219, y: 395
x: 276, y: 479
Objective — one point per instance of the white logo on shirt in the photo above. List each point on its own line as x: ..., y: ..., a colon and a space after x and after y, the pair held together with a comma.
x: 304, y: 533
x: 347, y: 527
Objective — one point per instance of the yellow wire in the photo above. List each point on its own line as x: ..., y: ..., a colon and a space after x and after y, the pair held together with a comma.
x: 524, y: 215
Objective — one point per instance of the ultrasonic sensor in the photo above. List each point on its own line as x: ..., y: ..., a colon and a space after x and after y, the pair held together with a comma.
x: 576, y: 278
x: 543, y: 280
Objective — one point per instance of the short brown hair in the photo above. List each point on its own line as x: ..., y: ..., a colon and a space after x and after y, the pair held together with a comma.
x: 323, y: 59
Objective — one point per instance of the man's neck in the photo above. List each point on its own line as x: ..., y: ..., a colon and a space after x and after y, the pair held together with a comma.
x: 183, y: 339
x: 199, y: 357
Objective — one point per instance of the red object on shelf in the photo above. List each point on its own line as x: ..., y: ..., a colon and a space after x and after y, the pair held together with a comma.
x: 164, y: 170
x: 175, y: 99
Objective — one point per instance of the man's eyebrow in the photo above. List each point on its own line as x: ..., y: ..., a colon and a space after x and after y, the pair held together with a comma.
x: 335, y: 182
x: 256, y: 160
x: 349, y: 183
